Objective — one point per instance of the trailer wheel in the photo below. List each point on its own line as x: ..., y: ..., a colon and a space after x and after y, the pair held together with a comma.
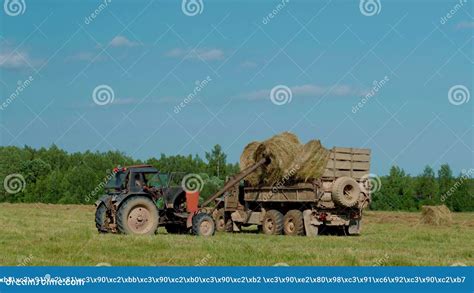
x: 272, y: 223
x: 101, y: 218
x: 293, y: 223
x: 203, y: 225
x: 229, y: 226
x: 345, y: 192
x: 219, y: 218
x: 137, y: 215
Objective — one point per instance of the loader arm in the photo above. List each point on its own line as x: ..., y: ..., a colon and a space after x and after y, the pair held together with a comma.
x: 236, y: 179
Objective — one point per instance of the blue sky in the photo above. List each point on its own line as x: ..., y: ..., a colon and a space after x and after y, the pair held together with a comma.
x: 327, y: 53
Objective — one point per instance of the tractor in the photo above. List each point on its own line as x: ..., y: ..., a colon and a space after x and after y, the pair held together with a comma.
x: 139, y: 199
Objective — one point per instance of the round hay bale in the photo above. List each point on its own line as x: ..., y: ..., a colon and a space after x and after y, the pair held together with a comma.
x: 436, y: 215
x: 247, y: 158
x: 312, y: 161
x: 281, y: 149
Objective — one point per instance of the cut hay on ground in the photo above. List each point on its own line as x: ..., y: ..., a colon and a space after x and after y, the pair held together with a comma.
x: 436, y: 215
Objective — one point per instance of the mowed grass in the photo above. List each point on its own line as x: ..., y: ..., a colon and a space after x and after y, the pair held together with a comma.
x: 65, y: 235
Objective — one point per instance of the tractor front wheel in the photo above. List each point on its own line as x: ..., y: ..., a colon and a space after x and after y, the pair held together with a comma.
x: 203, y: 225
x: 137, y: 215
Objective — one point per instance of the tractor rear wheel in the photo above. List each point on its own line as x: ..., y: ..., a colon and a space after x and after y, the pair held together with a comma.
x: 272, y: 223
x: 101, y: 218
x: 203, y: 225
x: 137, y: 215
x: 293, y: 223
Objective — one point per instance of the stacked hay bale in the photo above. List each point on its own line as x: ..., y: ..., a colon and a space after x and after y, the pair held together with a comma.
x: 436, y: 215
x: 290, y: 161
x: 312, y: 161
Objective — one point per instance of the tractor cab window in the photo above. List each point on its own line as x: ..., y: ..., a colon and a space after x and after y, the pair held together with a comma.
x: 137, y: 181
x: 154, y: 180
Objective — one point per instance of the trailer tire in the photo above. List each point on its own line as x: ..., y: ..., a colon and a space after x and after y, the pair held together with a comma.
x: 229, y: 226
x: 293, y: 224
x: 219, y: 218
x: 272, y: 223
x: 137, y: 215
x: 203, y: 225
x: 345, y: 192
x: 101, y: 218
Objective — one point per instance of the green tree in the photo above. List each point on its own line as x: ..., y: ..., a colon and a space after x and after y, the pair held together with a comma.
x: 426, y: 187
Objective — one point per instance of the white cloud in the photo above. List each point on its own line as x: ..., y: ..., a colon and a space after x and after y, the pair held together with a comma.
x: 309, y: 90
x: 465, y: 25
x: 199, y: 54
x: 121, y: 41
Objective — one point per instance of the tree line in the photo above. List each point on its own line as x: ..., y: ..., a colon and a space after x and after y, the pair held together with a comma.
x: 52, y: 175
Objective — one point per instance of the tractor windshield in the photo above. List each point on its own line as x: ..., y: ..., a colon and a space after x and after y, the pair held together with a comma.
x: 116, y: 182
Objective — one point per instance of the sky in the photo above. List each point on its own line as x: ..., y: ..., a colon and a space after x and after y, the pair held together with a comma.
x: 178, y: 77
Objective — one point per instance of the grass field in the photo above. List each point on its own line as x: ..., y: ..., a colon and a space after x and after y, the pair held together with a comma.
x: 38, y: 234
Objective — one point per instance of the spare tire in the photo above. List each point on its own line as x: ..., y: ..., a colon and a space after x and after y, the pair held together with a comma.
x: 345, y: 192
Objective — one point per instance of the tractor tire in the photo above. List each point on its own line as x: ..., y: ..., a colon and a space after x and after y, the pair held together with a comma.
x: 293, y: 224
x: 101, y: 218
x: 219, y: 218
x: 272, y: 223
x: 203, y: 225
x: 137, y: 215
x: 345, y: 192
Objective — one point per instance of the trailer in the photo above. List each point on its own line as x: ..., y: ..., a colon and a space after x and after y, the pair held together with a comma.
x: 332, y: 203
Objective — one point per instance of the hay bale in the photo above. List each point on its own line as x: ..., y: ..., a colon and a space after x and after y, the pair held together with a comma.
x: 436, y: 215
x: 247, y: 158
x: 281, y: 149
x: 312, y: 161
